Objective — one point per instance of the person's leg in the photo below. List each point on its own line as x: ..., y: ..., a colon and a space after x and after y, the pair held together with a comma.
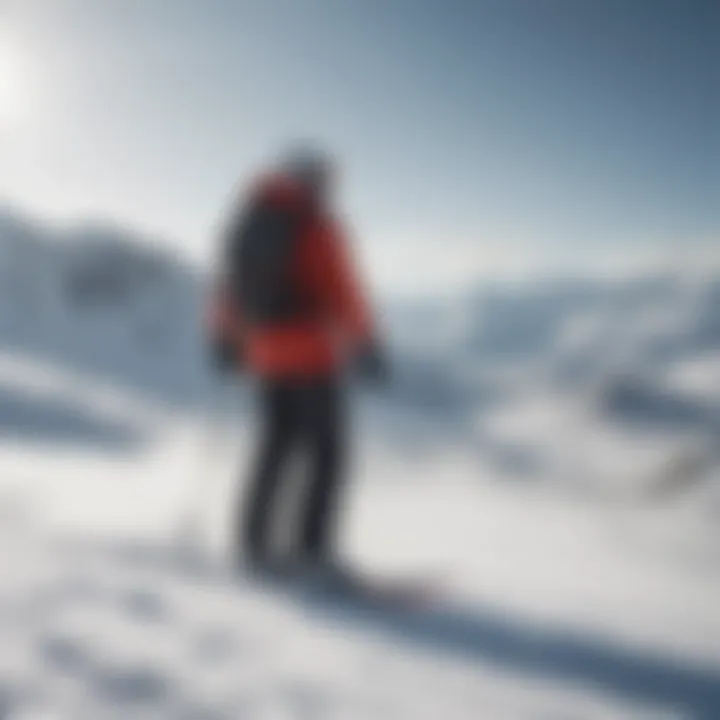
x: 324, y: 441
x: 276, y: 443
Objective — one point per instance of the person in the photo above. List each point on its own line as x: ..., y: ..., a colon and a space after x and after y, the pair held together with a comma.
x: 289, y: 310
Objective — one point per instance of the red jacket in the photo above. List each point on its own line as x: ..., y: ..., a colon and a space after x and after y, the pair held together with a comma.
x: 322, y: 267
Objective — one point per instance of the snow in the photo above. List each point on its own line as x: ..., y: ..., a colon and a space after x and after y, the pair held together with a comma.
x: 697, y: 376
x: 565, y: 491
x: 103, y: 615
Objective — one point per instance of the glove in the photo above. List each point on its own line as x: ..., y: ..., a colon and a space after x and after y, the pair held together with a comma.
x: 371, y: 365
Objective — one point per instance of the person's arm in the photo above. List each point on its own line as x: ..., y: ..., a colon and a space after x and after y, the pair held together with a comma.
x: 348, y: 302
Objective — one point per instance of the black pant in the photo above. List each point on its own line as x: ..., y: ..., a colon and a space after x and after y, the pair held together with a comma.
x: 306, y: 417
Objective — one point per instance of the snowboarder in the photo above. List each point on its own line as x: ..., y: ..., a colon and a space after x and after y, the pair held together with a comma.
x: 290, y: 312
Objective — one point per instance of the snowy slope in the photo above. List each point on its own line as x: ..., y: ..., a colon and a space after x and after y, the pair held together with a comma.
x: 556, y: 614
x: 549, y: 447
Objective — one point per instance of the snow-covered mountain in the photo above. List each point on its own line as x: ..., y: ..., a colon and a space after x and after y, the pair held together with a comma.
x: 527, y: 373
x: 96, y: 300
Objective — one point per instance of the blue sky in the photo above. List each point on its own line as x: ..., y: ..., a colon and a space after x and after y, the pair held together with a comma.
x: 472, y: 133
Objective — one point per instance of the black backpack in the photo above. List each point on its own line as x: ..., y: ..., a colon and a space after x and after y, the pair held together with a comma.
x: 260, y: 254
